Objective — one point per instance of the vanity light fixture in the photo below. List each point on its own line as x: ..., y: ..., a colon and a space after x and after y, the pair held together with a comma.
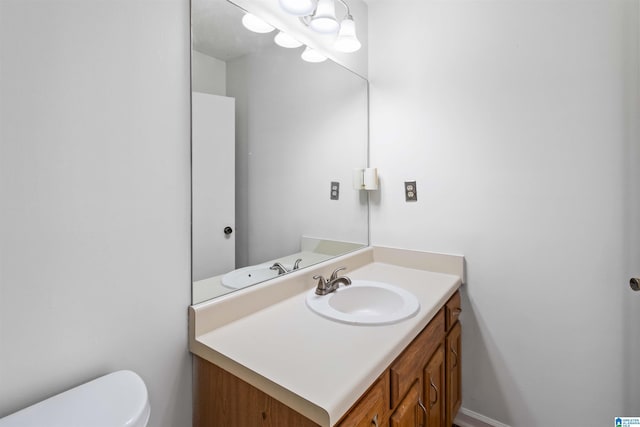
x: 298, y: 7
x: 324, y: 19
x: 347, y: 40
x: 312, y: 55
x: 252, y: 23
x: 320, y: 16
x: 285, y: 40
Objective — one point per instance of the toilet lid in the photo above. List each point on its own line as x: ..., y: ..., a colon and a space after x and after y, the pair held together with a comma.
x: 118, y: 399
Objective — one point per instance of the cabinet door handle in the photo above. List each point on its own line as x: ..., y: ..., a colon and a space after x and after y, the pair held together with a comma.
x: 432, y: 403
x: 374, y: 421
x: 457, y: 310
x: 424, y: 409
x: 455, y: 353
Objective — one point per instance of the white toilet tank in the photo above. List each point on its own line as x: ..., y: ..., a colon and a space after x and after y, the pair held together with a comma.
x: 118, y: 399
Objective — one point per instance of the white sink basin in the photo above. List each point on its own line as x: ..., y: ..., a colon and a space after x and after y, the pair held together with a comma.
x: 250, y: 275
x: 365, y: 302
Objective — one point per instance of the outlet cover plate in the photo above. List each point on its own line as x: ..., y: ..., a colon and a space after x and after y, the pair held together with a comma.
x: 410, y: 191
x: 335, y: 190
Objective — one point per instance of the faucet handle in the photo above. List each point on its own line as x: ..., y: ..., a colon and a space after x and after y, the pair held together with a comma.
x: 321, y: 280
x: 281, y: 269
x: 334, y: 275
x: 321, y: 288
x: 296, y: 265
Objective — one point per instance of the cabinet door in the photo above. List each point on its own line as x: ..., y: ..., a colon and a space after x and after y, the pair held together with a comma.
x: 454, y: 372
x: 433, y: 389
x: 372, y: 408
x: 410, y: 365
x: 409, y: 412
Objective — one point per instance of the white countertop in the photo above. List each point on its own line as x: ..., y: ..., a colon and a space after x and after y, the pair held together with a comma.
x: 317, y: 366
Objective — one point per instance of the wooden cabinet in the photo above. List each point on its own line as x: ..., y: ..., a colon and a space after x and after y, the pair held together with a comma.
x: 423, y: 404
x: 409, y: 366
x: 408, y: 371
x: 222, y: 399
x: 452, y: 310
x: 453, y: 362
x: 433, y: 389
x: 372, y: 408
x: 417, y: 378
x: 422, y: 387
x: 453, y: 344
x: 408, y: 413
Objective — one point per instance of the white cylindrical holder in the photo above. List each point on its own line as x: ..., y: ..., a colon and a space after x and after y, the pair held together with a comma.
x: 371, y: 179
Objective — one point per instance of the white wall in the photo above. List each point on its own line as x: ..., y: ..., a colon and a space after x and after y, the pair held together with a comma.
x: 294, y: 137
x: 94, y: 187
x: 208, y: 75
x: 511, y: 117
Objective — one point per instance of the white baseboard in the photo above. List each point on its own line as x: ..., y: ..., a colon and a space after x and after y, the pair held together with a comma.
x: 467, y: 418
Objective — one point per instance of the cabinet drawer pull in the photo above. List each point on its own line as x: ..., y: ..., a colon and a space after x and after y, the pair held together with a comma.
x: 432, y: 403
x: 455, y: 353
x: 424, y: 409
x: 374, y: 421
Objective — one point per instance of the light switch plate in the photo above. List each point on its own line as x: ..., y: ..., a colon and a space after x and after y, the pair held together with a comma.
x: 335, y: 190
x: 410, y: 191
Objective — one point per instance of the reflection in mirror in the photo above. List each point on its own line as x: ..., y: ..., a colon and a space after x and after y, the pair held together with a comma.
x: 271, y: 135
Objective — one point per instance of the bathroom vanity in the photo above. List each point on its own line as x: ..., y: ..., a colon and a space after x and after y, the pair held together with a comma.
x: 263, y: 358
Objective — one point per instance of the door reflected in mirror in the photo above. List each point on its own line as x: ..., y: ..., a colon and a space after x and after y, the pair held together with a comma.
x: 270, y: 135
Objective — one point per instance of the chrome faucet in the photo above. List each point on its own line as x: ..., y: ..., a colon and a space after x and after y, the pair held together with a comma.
x: 279, y: 267
x: 326, y: 286
x: 282, y: 269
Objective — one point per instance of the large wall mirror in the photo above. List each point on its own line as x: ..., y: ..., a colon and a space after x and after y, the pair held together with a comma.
x: 271, y: 137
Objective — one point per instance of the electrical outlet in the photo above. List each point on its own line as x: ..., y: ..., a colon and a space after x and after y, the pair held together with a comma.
x: 335, y: 190
x: 410, y: 191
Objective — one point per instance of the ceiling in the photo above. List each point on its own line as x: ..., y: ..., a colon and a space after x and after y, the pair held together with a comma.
x: 217, y: 30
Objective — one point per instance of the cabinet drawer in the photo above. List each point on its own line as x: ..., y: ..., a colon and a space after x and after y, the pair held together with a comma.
x: 408, y: 367
x: 453, y: 310
x: 373, y: 405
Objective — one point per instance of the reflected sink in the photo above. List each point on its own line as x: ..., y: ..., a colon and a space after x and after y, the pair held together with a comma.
x: 250, y: 275
x: 365, y: 302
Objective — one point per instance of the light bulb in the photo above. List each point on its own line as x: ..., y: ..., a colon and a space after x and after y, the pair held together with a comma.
x: 311, y: 55
x: 285, y: 40
x: 324, y: 20
x: 253, y: 23
x: 298, y: 7
x: 347, y: 40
